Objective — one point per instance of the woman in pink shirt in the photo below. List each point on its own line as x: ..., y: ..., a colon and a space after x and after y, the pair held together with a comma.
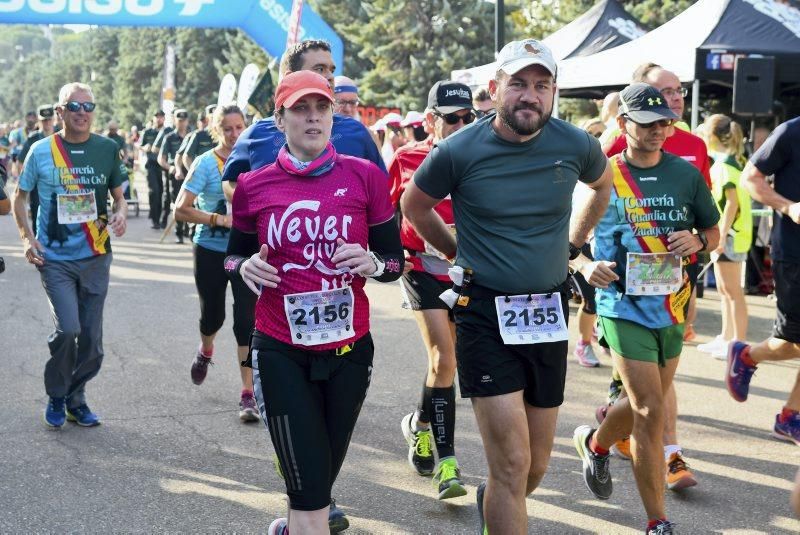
x: 307, y: 232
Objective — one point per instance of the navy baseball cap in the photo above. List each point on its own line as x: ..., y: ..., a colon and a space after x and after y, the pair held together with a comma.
x: 644, y: 104
x: 447, y: 97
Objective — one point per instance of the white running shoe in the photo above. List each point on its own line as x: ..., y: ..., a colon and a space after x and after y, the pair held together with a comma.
x: 715, y: 345
x: 585, y: 355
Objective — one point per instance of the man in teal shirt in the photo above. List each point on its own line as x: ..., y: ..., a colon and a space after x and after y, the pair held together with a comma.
x: 74, y: 171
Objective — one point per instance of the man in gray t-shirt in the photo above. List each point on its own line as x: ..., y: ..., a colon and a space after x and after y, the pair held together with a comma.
x: 510, y: 176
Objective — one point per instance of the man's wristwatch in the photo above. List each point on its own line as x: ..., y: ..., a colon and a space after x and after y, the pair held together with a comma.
x: 574, y: 252
x: 703, y: 240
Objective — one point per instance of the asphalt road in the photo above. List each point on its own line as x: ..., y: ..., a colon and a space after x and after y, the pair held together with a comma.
x: 173, y: 457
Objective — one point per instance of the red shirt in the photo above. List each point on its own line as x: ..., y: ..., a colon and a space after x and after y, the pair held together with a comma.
x: 684, y: 144
x: 300, y: 219
x: 405, y: 161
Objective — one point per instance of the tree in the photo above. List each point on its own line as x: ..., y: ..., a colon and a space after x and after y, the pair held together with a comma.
x: 437, y: 36
x: 138, y: 75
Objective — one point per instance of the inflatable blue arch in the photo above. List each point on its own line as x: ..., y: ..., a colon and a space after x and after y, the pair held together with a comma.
x: 265, y: 21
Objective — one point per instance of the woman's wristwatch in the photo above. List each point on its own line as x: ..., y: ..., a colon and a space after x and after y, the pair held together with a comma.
x: 380, y: 265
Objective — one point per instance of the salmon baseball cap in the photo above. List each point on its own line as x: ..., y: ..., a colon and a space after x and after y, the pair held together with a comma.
x: 297, y: 85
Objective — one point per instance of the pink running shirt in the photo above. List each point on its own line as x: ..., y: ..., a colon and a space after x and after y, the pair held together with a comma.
x: 300, y: 219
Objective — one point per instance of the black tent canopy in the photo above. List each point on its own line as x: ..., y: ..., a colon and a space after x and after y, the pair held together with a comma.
x: 606, y: 25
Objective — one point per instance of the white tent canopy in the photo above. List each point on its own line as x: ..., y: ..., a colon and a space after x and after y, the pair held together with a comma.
x: 672, y: 45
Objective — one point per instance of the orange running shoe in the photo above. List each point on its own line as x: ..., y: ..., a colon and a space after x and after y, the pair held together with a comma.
x: 622, y: 448
x: 678, y: 474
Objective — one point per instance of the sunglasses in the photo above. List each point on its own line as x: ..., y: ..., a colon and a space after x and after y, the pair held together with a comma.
x: 182, y: 116
x: 452, y: 118
x: 74, y: 105
x: 481, y: 113
x: 663, y: 123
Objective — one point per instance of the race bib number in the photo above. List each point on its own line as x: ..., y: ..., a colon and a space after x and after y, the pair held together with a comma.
x: 653, y: 274
x: 76, y: 207
x: 320, y: 317
x: 533, y: 319
x: 432, y: 251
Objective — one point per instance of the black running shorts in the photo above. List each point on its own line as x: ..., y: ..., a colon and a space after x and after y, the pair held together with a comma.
x: 488, y: 367
x: 421, y: 291
x: 310, y: 401
x: 787, y: 293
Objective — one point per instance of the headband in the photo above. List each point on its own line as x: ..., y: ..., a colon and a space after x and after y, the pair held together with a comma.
x: 346, y: 89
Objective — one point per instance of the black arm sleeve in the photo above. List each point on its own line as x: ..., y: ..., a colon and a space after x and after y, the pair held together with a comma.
x: 241, y: 246
x: 384, y: 239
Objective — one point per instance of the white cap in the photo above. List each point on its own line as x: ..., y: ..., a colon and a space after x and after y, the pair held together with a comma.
x: 392, y: 118
x: 517, y: 55
x: 413, y: 118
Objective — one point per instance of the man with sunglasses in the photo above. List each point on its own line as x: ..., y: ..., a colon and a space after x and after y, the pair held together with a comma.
x: 657, y: 200
x: 449, y: 110
x: 45, y: 128
x: 511, y: 176
x: 74, y: 170
x: 691, y: 148
x: 167, y: 155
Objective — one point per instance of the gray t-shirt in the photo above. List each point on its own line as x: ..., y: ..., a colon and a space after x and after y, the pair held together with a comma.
x: 512, y: 201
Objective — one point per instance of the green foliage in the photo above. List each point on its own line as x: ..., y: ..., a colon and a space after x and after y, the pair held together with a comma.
x: 124, y: 66
x: 404, y: 46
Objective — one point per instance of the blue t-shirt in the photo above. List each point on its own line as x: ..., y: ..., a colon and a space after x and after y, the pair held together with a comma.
x: 646, y: 206
x: 205, y: 181
x: 260, y: 142
x: 73, y: 180
x: 780, y: 156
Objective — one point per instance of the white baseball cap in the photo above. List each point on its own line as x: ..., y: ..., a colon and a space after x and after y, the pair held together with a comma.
x: 517, y: 55
x: 413, y: 118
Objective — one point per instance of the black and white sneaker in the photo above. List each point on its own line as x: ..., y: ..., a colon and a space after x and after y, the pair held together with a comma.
x: 595, y: 467
x: 420, y: 447
x: 479, y: 498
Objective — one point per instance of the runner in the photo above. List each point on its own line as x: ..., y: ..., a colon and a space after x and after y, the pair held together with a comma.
x: 394, y: 138
x: 414, y: 127
x: 656, y: 201
x: 167, y: 155
x: 44, y: 127
x: 691, y: 148
x: 74, y: 171
x: 260, y: 143
x: 155, y: 184
x: 449, y: 110
x: 779, y: 156
x: 346, y: 93
x: 725, y: 140
x: 513, y: 245
x: 204, y: 184
x: 312, y: 350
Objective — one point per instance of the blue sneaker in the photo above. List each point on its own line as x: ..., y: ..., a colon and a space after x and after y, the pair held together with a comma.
x: 337, y: 521
x: 83, y: 416
x: 737, y: 373
x: 788, y: 430
x: 55, y: 413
